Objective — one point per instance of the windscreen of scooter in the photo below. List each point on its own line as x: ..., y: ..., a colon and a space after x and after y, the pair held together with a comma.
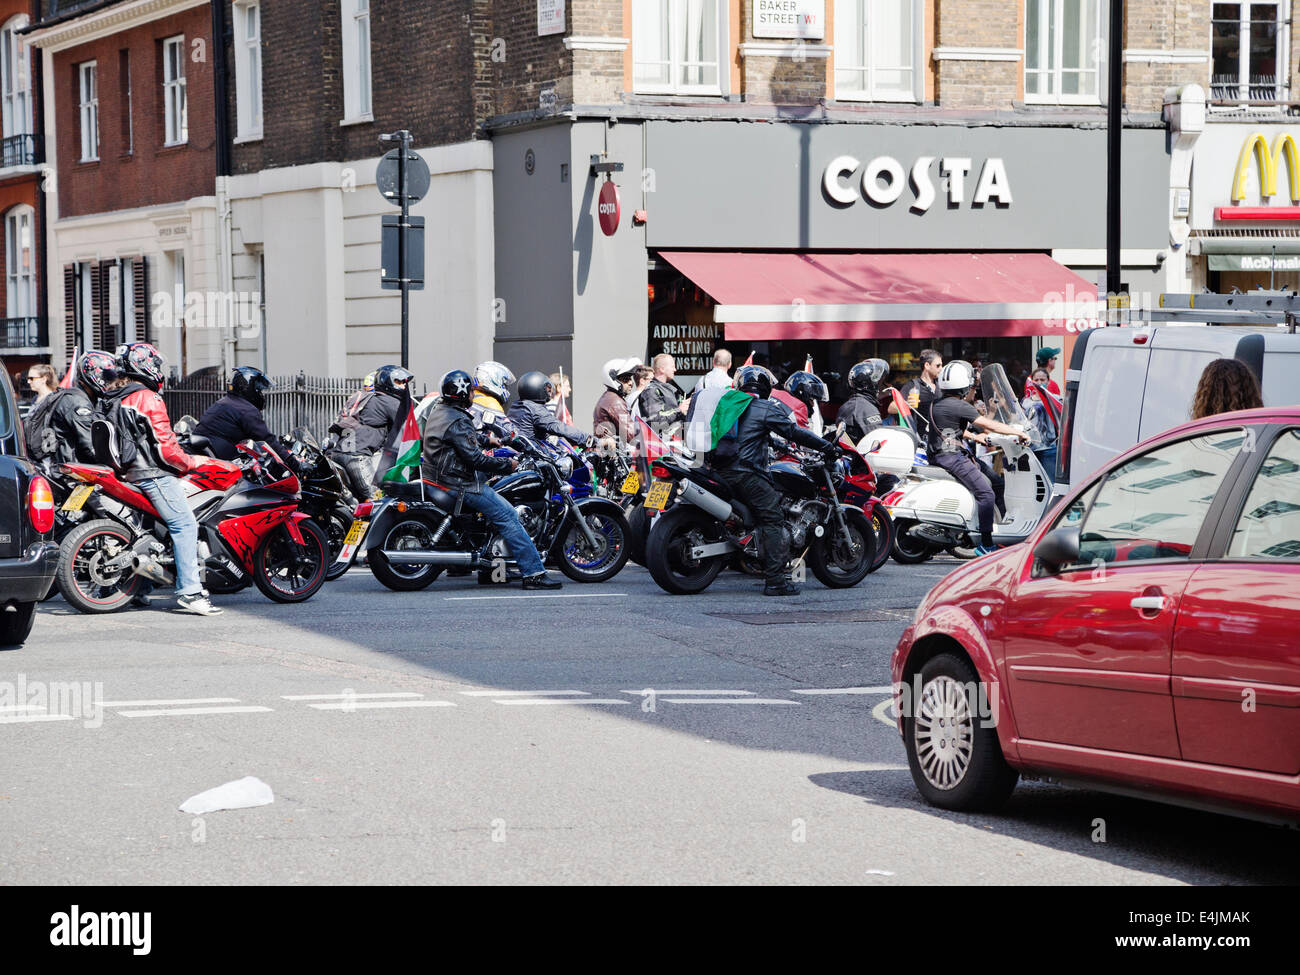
x: 1003, y: 405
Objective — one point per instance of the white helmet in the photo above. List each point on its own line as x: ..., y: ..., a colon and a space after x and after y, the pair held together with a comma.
x: 956, y: 376
x: 614, y: 368
x: 494, y: 378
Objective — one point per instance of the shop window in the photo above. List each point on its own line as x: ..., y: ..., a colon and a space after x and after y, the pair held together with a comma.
x: 15, y: 79
x: 1249, y: 42
x: 248, y: 69
x: 677, y: 46
x: 175, y: 114
x: 88, y: 103
x: 1065, y: 51
x: 357, y: 106
x: 877, y: 49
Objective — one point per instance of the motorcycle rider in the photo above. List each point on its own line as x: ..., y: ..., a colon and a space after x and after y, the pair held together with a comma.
x: 58, y: 427
x: 802, y: 392
x: 860, y: 413
x: 611, y: 418
x: 237, y: 416
x: 492, y: 382
x: 453, y: 460
x: 159, y: 459
x: 532, y: 419
x: 951, y: 419
x: 365, y: 427
x: 748, y: 476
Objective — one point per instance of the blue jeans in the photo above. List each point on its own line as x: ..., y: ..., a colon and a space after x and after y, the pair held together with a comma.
x: 503, y: 518
x: 167, y: 498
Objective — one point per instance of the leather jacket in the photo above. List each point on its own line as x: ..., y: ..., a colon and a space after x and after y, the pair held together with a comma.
x: 536, y: 422
x: 611, y: 418
x: 229, y: 421
x: 860, y: 416
x: 451, y: 457
x: 761, y: 418
x: 158, y: 454
x: 58, y: 428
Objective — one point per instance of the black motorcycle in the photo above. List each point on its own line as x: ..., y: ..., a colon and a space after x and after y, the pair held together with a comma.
x: 325, y: 494
x: 416, y: 530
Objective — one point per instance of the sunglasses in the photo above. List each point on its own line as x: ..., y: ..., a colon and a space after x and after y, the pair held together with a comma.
x: 32, y: 379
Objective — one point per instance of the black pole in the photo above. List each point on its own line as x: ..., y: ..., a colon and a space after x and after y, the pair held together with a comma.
x: 1114, y: 131
x: 221, y: 113
x: 405, y: 137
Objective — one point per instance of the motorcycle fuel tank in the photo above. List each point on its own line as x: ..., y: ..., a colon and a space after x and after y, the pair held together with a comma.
x: 792, y: 481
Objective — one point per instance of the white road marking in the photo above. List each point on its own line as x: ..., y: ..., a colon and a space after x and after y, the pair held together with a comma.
x: 338, y: 697
x: 561, y: 700
x: 27, y: 718
x: 173, y: 711
x: 522, y: 693
x: 543, y: 595
x: 727, y: 700
x: 366, y: 705
x: 878, y: 712
x: 659, y: 692
x: 844, y: 690
x: 190, y: 700
x: 22, y: 707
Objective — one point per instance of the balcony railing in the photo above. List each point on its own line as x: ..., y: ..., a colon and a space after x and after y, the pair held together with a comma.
x: 22, y: 150
x: 24, y: 333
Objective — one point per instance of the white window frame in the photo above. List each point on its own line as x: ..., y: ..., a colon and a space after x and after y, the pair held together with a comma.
x: 15, y: 66
x: 20, y: 282
x: 88, y: 105
x: 675, y: 60
x: 176, y: 128
x: 358, y: 88
x: 1055, y: 11
x: 849, y: 15
x: 1282, y: 86
x: 248, y: 70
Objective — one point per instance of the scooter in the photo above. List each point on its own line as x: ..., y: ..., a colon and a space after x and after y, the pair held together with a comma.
x: 932, y: 511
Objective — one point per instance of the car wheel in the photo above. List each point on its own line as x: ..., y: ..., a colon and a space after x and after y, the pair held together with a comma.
x: 953, y: 752
x: 16, y: 624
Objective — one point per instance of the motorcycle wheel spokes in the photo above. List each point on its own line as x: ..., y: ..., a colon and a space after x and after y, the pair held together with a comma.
x: 292, y: 568
x: 413, y: 536
x: 93, y: 582
x: 581, y: 556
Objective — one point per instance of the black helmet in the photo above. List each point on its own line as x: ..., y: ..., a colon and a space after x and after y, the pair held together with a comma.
x: 143, y: 362
x: 250, y: 384
x: 806, y: 387
x: 867, y: 376
x: 457, y: 388
x: 754, y: 379
x: 535, y: 387
x: 389, y: 378
x: 95, y: 370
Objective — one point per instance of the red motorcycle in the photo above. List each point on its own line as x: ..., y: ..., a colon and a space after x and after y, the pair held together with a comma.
x: 250, y: 529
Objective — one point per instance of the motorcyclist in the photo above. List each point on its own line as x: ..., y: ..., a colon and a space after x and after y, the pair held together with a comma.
x: 611, y: 419
x: 860, y: 413
x: 748, y: 476
x: 802, y: 391
x: 58, y: 427
x: 492, y: 382
x: 237, y: 416
x: 159, y: 459
x: 453, y: 460
x: 365, y: 427
x: 951, y: 418
x: 531, y: 418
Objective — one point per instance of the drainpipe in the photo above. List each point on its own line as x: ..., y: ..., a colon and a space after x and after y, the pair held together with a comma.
x: 221, y: 119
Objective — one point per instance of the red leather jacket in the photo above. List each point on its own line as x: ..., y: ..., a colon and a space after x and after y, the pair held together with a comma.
x: 159, y: 452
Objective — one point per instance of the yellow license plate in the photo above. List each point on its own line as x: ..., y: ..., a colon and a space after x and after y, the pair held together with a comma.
x: 631, y: 483
x: 658, y: 496
x: 78, y: 497
x: 354, y: 534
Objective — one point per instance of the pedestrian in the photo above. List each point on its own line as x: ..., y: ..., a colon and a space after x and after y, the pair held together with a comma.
x: 41, y: 381
x: 662, y: 403
x: 1046, y: 361
x: 1226, y: 385
x: 719, y: 377
x: 923, y: 390
x: 562, y: 389
x: 641, y: 379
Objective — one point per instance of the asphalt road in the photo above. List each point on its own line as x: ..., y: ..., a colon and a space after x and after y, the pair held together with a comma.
x: 607, y: 734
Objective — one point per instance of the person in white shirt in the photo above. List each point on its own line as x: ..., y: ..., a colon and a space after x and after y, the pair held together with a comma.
x: 720, y: 376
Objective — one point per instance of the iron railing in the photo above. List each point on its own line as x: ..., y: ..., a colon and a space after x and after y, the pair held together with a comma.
x: 25, y: 333
x: 313, y: 402
x: 22, y: 150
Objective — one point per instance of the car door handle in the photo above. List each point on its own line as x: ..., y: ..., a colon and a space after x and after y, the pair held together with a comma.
x: 1149, y: 603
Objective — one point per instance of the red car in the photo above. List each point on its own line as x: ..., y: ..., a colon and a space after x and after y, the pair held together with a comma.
x: 1146, y: 639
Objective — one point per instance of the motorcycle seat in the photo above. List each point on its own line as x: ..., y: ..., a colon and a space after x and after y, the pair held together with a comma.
x: 713, y: 485
x: 421, y: 491
x: 934, y: 473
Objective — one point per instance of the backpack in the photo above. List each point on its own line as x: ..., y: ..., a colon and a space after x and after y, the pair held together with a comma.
x: 350, y: 419
x: 41, y: 442
x: 114, y: 435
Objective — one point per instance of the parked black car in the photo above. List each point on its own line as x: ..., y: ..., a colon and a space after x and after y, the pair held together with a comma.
x: 28, y: 554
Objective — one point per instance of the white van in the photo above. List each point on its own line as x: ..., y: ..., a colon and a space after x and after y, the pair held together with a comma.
x: 1125, y: 384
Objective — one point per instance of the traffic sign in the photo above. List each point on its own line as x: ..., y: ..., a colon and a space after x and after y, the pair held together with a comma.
x: 388, y: 178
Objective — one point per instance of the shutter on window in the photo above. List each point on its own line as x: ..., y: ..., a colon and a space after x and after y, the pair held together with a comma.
x: 143, y: 311
x: 106, y: 335
x: 69, y: 309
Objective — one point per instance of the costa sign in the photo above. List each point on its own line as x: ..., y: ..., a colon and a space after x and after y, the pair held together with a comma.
x: 1269, y: 162
x: 607, y: 205
x: 883, y: 179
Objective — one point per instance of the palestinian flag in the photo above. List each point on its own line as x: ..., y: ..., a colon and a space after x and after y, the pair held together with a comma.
x: 66, y: 382
x: 401, y: 457
x: 904, y: 411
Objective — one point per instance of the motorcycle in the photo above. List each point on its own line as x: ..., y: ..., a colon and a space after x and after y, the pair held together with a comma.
x: 325, y: 495
x: 250, y: 530
x: 708, y: 527
x: 416, y: 530
x: 934, y: 512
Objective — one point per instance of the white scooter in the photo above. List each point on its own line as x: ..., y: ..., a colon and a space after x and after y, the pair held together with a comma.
x: 932, y: 511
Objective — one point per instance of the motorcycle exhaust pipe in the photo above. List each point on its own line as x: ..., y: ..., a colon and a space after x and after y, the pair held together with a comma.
x: 144, y: 565
x: 702, y: 499
x: 423, y: 557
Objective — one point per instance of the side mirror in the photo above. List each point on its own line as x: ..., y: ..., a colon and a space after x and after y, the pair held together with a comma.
x: 1058, y: 547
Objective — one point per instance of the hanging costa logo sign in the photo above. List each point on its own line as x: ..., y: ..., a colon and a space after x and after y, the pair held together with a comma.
x: 608, y: 207
x: 1268, y: 167
x: 883, y: 180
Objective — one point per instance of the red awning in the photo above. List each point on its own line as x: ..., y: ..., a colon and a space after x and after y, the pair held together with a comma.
x: 767, y: 296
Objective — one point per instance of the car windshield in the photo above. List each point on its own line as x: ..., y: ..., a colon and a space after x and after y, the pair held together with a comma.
x: 1002, y: 404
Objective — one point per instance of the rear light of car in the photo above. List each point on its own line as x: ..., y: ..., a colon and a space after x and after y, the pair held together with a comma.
x: 364, y: 509
x: 661, y: 472
x: 40, y: 505
x: 1140, y: 339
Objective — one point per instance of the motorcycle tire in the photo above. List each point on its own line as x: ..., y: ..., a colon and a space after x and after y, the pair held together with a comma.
x: 80, y: 581
x: 670, y: 569
x: 883, y: 525
x: 907, y: 550
x: 340, y: 520
x: 837, y: 566
x: 411, y: 533
x: 303, y: 566
x: 612, y: 532
x: 638, y: 524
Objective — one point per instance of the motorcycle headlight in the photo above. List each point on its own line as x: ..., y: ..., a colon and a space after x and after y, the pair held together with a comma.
x: 565, y: 465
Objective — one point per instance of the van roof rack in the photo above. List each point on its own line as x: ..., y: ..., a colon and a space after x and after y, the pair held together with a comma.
x: 1247, y: 308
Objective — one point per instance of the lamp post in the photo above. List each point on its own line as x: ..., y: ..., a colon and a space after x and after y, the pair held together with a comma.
x: 1114, y: 132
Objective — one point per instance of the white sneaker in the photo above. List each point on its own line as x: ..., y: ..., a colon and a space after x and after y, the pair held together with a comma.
x: 197, y: 603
